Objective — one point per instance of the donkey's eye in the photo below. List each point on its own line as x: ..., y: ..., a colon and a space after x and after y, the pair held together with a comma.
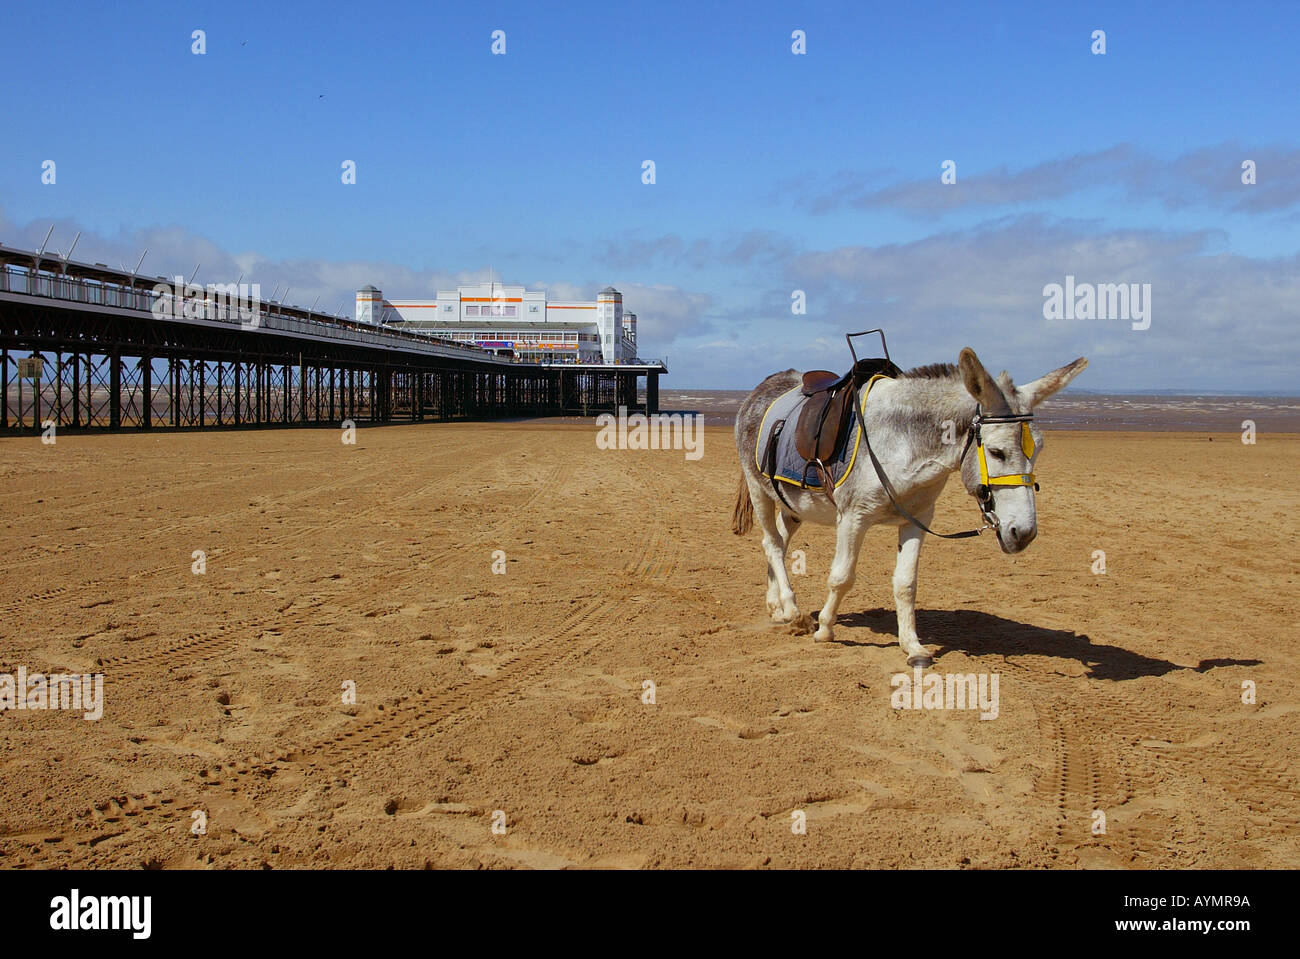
x: 999, y: 455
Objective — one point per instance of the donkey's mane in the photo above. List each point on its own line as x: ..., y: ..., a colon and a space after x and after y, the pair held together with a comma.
x: 932, y: 371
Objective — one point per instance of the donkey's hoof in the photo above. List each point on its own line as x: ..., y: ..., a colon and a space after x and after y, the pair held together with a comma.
x: 801, y: 625
x: 925, y: 662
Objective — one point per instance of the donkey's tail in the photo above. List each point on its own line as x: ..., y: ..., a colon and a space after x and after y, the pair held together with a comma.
x: 742, y: 516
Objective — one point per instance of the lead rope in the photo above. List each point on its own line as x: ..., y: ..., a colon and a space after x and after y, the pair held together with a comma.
x: 884, y: 481
x: 889, y: 489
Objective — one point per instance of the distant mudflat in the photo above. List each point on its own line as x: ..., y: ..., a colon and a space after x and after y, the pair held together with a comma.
x: 1081, y: 411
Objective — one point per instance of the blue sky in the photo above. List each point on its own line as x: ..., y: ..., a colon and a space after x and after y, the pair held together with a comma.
x: 775, y: 172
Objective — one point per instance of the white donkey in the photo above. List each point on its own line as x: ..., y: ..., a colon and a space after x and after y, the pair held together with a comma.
x: 922, y: 426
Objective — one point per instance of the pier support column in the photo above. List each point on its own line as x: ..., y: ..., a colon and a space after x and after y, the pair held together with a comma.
x: 114, y: 392
x: 76, y: 390
x: 146, y: 403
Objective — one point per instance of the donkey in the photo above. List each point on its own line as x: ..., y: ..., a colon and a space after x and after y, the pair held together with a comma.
x: 915, y: 423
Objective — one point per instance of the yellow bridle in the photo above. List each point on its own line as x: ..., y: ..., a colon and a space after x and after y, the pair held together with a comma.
x: 984, y: 496
x: 1026, y: 446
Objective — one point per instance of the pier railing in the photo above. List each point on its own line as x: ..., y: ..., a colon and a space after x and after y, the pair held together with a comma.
x: 218, y: 306
x: 223, y: 304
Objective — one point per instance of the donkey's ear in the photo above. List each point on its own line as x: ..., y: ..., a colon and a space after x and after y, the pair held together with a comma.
x: 978, y: 382
x: 1052, y: 383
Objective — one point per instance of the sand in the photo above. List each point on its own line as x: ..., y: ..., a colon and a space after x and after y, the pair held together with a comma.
x: 522, y: 692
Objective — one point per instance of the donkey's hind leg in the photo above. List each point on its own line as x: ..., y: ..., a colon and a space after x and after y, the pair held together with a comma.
x: 786, y: 526
x: 780, y: 595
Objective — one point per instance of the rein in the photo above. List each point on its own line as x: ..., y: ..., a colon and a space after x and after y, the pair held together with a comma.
x: 984, y: 494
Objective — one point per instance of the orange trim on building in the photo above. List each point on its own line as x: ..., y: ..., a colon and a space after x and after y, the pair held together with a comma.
x: 475, y: 299
x: 491, y: 299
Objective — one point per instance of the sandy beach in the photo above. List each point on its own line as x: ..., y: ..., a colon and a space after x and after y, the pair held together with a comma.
x: 476, y: 692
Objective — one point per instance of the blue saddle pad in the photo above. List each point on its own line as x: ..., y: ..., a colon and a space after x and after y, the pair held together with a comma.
x: 789, y: 464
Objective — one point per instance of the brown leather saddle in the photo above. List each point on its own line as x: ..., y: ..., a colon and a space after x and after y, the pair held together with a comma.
x: 826, y: 416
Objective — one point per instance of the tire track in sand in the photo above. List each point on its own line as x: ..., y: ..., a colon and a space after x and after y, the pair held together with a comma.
x: 1118, y: 753
x: 290, y: 500
x: 386, y: 726
x: 348, y: 752
x: 208, y: 643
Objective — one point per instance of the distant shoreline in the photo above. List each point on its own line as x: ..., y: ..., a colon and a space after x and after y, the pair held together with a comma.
x: 1081, y: 410
x: 1229, y: 394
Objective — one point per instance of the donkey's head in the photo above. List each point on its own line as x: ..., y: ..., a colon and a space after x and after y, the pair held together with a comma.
x: 998, y: 469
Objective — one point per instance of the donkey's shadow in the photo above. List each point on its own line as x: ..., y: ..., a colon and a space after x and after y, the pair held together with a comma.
x: 978, y: 633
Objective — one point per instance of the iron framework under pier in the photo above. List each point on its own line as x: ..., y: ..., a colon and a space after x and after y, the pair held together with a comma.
x: 111, y: 358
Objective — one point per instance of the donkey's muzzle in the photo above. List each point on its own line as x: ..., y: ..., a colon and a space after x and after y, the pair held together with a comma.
x: 1017, y: 537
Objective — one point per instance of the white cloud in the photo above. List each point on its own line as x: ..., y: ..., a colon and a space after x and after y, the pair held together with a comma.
x: 1206, y: 177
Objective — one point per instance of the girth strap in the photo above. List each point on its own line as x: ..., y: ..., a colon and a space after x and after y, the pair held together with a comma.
x: 770, y: 466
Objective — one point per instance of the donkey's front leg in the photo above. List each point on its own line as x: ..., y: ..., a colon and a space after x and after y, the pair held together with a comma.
x: 909, y: 557
x: 849, y: 531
